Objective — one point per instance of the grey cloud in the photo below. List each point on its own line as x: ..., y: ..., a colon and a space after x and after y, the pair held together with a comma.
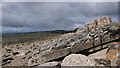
x: 55, y: 15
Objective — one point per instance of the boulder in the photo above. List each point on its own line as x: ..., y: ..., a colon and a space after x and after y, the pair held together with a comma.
x: 100, y: 58
x: 78, y: 30
x: 99, y: 55
x: 87, y: 27
x: 109, y: 20
x: 113, y: 53
x: 77, y: 60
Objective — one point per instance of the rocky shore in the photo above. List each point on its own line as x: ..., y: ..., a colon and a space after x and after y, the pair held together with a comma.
x: 94, y: 45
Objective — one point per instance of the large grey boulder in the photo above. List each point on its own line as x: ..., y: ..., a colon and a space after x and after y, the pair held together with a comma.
x: 77, y: 60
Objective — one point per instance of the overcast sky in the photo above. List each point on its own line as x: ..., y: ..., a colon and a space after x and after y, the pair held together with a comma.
x: 40, y: 16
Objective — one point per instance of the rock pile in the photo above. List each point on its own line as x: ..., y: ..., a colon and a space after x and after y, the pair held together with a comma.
x: 34, y: 54
x: 98, y: 24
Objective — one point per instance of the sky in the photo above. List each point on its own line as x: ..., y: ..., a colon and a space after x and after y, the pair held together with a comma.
x: 44, y: 16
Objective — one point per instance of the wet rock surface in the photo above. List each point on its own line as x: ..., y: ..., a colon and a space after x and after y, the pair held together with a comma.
x: 40, y: 52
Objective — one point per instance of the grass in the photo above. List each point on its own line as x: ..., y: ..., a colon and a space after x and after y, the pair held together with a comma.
x: 8, y: 39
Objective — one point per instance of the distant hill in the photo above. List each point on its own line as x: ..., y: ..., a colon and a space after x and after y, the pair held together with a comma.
x: 12, y: 38
x: 53, y: 31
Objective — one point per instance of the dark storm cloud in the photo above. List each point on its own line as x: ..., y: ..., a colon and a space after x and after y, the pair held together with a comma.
x: 53, y: 15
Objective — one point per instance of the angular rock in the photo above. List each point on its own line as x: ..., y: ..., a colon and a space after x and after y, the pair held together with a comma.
x: 113, y: 53
x: 78, y: 30
x: 99, y: 55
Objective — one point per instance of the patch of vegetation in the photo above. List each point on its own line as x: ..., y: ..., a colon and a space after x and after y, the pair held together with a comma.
x: 8, y: 39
